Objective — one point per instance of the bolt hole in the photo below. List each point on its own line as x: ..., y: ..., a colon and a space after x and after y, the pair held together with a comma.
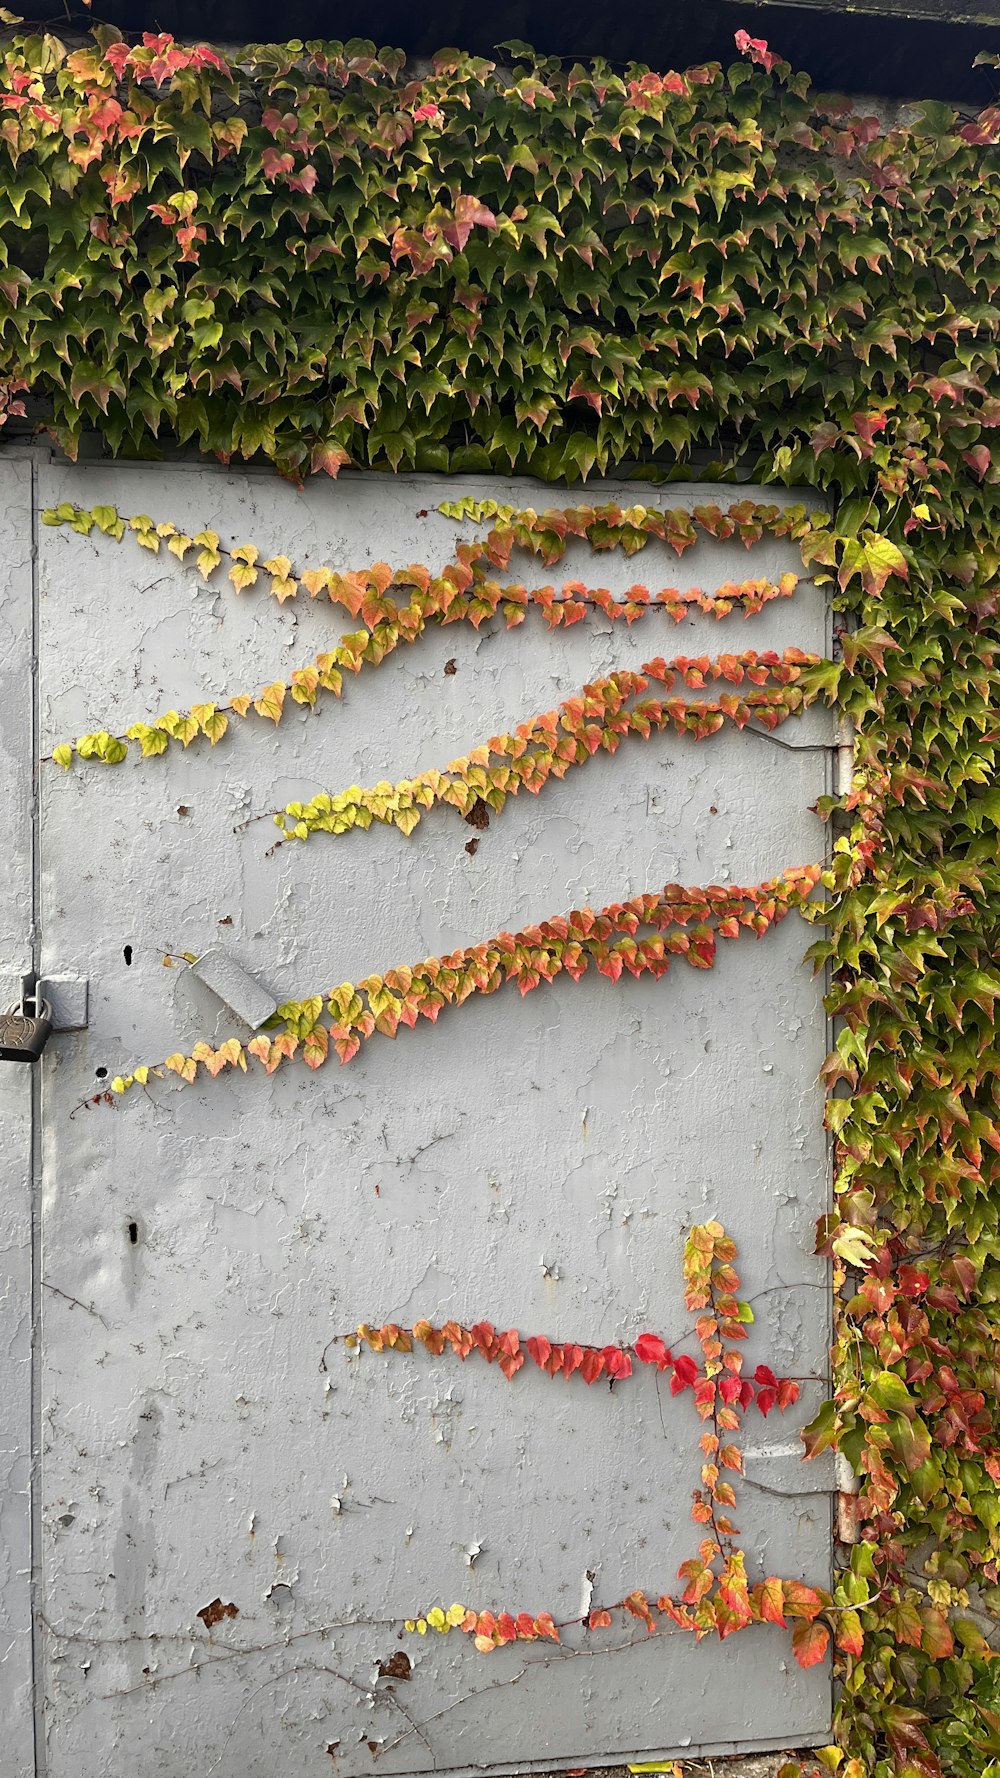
x: 133, y: 1232
x: 101, y: 1073
x: 127, y: 954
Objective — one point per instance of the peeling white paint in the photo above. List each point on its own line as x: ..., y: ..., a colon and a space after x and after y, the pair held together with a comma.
x: 193, y: 1442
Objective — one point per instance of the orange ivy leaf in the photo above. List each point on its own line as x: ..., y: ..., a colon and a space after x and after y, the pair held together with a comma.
x: 810, y: 1642
x: 315, y: 1046
x: 772, y: 1594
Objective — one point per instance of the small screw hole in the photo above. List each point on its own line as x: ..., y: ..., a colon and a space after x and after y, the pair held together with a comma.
x: 101, y: 1073
x: 127, y: 954
x: 133, y: 1232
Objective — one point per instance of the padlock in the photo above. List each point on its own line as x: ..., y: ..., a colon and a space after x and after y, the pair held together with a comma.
x: 24, y: 1034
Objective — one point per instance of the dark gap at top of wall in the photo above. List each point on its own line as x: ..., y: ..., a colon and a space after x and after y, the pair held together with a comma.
x: 908, y: 49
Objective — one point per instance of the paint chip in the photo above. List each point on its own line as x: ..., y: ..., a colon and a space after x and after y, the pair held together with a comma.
x: 398, y: 1666
x: 213, y: 1614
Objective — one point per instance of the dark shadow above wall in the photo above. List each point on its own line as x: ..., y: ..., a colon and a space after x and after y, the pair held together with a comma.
x: 900, y: 48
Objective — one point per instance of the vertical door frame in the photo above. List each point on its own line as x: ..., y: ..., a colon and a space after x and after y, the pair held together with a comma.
x: 20, y: 1123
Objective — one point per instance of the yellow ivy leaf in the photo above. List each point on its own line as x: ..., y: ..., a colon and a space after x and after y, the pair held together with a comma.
x: 240, y: 705
x: 270, y: 702
x: 205, y: 1054
x: 242, y: 573
x: 151, y: 740
x: 209, y: 556
x: 141, y: 1074
x: 182, y: 728
x: 178, y: 545
x: 185, y: 1066
x: 315, y: 580
x: 63, y: 755
x: 283, y: 583
x: 329, y: 677
x: 210, y: 720
x: 305, y: 681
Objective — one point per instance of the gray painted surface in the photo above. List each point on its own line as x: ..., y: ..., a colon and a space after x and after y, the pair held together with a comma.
x: 533, y: 1162
x: 16, y: 941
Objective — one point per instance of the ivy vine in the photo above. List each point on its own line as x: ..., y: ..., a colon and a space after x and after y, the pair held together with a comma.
x: 467, y: 589
x: 613, y: 939
x: 717, y: 1596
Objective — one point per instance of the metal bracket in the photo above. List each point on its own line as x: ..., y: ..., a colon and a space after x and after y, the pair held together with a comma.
x: 246, y: 998
x: 784, y: 1470
x: 67, y: 996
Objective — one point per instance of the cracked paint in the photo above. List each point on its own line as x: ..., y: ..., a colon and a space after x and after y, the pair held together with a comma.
x: 532, y: 1162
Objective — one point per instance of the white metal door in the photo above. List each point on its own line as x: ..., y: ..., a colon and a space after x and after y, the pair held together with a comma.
x: 532, y: 1162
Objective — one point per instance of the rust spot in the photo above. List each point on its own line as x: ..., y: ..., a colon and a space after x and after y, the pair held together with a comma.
x: 479, y: 814
x: 227, y: 920
x: 712, y: 809
x: 422, y: 513
x: 450, y: 667
x: 213, y: 1614
x: 331, y: 1748
x: 373, y: 1748
x: 472, y: 848
x: 182, y: 809
x: 848, y: 1517
x: 398, y: 1666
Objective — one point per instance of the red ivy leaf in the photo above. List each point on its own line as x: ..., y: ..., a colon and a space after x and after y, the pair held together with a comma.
x: 685, y: 1373
x: 650, y: 1349
x: 757, y: 50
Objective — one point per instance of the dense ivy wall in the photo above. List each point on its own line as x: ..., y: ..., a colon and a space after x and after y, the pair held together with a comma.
x: 317, y: 260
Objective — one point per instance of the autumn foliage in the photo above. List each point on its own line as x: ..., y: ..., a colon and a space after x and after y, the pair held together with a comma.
x: 313, y: 259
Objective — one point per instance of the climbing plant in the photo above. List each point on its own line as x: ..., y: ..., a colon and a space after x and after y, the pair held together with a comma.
x: 466, y: 589
x: 313, y: 259
x: 717, y: 1596
x: 612, y: 939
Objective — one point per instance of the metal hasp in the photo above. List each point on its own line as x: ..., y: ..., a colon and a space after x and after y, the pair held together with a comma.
x: 245, y: 997
x: 24, y: 1034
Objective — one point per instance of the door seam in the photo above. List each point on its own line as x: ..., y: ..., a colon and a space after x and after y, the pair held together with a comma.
x: 35, y: 1489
